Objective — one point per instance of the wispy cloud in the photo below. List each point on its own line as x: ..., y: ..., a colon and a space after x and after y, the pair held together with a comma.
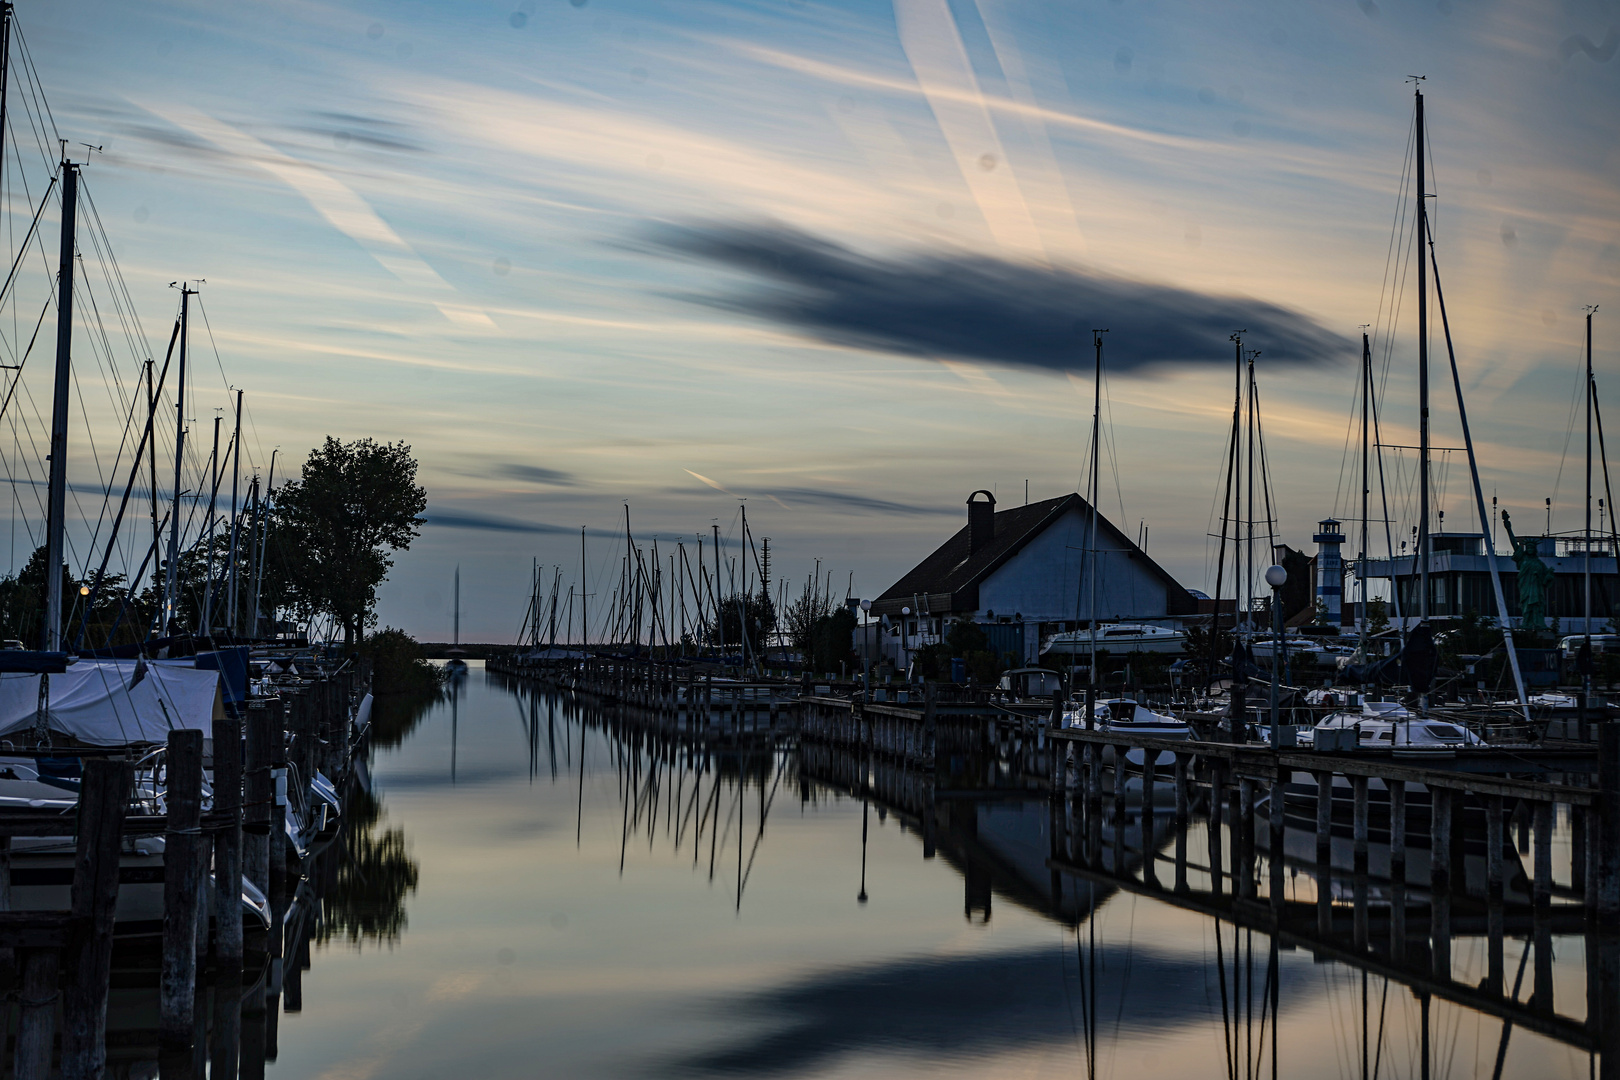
x: 340, y: 205
x: 978, y: 307
x: 535, y: 474
x: 467, y: 519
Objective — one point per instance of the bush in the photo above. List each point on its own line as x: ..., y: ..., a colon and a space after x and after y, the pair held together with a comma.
x: 397, y: 664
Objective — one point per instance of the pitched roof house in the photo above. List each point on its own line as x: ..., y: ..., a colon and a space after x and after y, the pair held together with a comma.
x: 1027, y: 568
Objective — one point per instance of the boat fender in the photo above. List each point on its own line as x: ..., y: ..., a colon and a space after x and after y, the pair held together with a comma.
x: 280, y: 776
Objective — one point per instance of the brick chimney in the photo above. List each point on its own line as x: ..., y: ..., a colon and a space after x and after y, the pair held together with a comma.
x: 981, y: 520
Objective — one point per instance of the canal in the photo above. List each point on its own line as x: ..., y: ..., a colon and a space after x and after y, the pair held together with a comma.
x: 534, y: 892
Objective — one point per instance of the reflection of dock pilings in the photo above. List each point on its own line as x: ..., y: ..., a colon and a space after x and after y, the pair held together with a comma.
x: 666, y: 697
x: 1376, y: 863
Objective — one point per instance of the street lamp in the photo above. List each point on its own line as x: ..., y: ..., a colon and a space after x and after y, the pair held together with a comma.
x: 1276, y: 577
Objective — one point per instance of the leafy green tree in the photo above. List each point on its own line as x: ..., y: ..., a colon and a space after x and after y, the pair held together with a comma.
x: 335, y: 527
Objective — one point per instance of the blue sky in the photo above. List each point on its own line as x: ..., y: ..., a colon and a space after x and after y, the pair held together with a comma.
x: 578, y: 256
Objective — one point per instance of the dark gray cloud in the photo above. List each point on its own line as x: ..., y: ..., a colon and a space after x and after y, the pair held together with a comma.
x: 950, y: 1008
x: 975, y: 307
x: 821, y: 497
x: 467, y: 519
x: 534, y: 474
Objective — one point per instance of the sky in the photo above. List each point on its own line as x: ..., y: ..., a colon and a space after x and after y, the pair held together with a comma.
x: 837, y: 262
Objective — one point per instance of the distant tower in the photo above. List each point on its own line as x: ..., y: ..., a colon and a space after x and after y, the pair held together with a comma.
x: 1329, y: 569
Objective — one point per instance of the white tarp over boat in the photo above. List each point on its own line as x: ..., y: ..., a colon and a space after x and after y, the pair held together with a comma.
x: 114, y: 702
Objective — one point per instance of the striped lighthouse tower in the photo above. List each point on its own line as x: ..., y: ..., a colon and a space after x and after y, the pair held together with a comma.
x: 1330, y: 569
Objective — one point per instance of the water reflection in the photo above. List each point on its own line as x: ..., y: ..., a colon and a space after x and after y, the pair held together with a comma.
x: 612, y: 897
x: 373, y: 874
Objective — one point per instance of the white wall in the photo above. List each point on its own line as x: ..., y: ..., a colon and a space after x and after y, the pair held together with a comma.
x: 1042, y: 584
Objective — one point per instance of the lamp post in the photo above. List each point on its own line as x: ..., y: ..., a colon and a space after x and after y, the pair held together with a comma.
x: 866, y: 651
x: 1276, y: 577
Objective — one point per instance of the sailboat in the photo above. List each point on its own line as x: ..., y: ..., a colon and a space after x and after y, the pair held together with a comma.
x: 457, y: 667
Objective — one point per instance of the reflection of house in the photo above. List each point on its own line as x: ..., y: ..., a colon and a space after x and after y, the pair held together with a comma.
x: 1024, y: 574
x: 1460, y: 579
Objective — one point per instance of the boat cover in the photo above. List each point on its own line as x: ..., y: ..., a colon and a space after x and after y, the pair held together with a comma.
x: 115, y: 702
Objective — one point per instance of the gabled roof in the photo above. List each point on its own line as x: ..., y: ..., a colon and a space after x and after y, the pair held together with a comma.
x: 949, y: 578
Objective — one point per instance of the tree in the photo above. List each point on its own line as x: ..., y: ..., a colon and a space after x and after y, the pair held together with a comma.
x: 336, y: 525
x: 760, y: 616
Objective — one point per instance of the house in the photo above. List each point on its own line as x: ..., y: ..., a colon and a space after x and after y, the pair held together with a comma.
x: 1023, y: 574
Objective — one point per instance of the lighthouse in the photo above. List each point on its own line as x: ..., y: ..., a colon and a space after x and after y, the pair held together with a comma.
x: 1329, y: 569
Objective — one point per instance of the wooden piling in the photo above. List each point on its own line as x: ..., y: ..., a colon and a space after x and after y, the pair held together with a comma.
x: 1183, y: 796
x: 1150, y: 847
x: 228, y: 843
x: 1358, y: 788
x: 180, y: 888
x: 263, y: 729
x: 1440, y: 881
x: 1607, y: 840
x: 36, y: 1013
x: 103, y: 796
x: 1324, y: 818
x: 1542, y: 819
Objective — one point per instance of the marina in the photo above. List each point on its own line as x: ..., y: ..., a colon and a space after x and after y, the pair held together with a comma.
x: 672, y: 367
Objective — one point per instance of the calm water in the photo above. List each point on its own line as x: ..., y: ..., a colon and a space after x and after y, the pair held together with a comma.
x: 581, y: 909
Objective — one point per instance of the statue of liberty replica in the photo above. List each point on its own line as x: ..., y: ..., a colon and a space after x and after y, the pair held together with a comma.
x: 1534, y: 577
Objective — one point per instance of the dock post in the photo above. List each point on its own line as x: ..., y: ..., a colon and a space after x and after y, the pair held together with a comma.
x: 1324, y: 851
x: 263, y: 727
x: 103, y: 795
x: 1119, y: 810
x: 1577, y: 849
x: 36, y: 1015
x: 1494, y: 872
x: 1607, y: 840
x: 1183, y: 799
x: 228, y: 843
x: 1275, y: 818
x: 1243, y: 836
x: 1324, y: 818
x: 180, y: 889
x: 1150, y: 849
x: 1542, y: 818
x: 1217, y: 791
x: 1358, y: 787
x: 1093, y: 806
x: 1440, y: 881
x: 1397, y: 869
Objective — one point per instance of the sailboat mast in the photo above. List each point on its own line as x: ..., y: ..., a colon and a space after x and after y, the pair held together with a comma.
x: 1423, y: 366
x: 456, y: 623
x: 584, y: 625
x: 57, y: 503
x: 1091, y: 588
x: 205, y: 624
x: 1366, y: 480
x: 1587, y: 537
x: 170, y: 589
x: 236, y: 515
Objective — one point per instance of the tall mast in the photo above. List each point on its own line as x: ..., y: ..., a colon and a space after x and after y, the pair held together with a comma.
x: 186, y: 293
x: 263, y: 521
x: 1588, y: 530
x: 1423, y: 365
x: 151, y: 450
x: 457, y: 624
x: 1237, y: 485
x: 584, y: 625
x: 1366, y: 480
x: 206, y: 623
x: 5, y: 71
x: 236, y: 515
x: 1091, y: 495
x: 719, y: 609
x: 59, y: 409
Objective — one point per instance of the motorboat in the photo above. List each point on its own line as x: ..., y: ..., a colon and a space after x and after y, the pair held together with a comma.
x: 1124, y: 716
x: 1389, y: 725
x: 1118, y: 638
